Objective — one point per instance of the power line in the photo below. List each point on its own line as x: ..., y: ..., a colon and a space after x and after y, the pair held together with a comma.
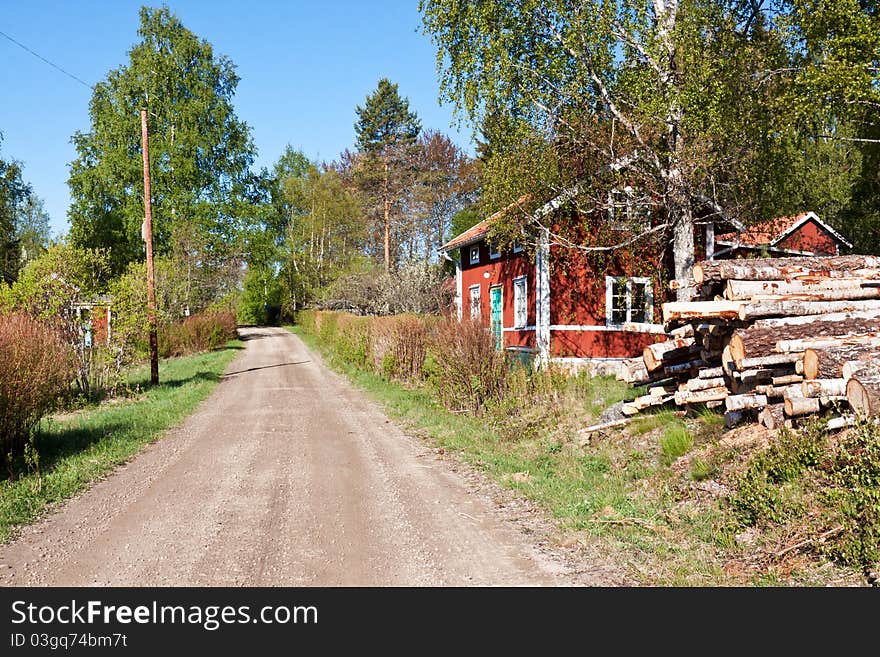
x: 39, y: 56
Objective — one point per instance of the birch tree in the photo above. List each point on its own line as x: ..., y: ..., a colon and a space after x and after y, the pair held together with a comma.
x: 671, y: 97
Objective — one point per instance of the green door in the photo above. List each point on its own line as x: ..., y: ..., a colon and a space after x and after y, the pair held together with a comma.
x: 495, y: 315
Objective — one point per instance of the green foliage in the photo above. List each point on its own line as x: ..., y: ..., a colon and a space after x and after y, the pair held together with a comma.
x: 200, y: 151
x: 260, y: 302
x: 385, y: 120
x: 324, y: 238
x: 560, y: 91
x: 856, y: 474
x: 701, y: 470
x: 767, y: 492
x: 24, y: 224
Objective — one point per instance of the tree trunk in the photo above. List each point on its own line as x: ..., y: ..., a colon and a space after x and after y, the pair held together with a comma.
x: 802, y: 344
x: 760, y: 340
x: 768, y: 269
x: 700, y: 396
x: 796, y: 308
x: 798, y: 406
x: 386, y: 202
x: 683, y: 249
x: 688, y: 310
x: 823, y: 387
x: 861, y: 316
x: 863, y: 391
x: 772, y: 416
x: 744, y: 402
x: 827, y: 363
x: 828, y: 289
x: 667, y: 353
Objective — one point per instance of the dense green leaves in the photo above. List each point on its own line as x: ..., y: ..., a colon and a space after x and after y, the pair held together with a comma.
x: 732, y: 102
x: 200, y: 151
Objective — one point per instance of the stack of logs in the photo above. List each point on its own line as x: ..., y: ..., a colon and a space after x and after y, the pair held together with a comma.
x: 771, y: 339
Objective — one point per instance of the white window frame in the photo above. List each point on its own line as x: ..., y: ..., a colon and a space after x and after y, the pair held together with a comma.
x: 516, y: 248
x: 476, y: 310
x: 520, y: 306
x: 474, y: 254
x: 634, y: 216
x: 494, y: 254
x: 609, y: 299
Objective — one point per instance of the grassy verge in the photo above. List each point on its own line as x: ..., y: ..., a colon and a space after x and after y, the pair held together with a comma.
x: 76, y: 449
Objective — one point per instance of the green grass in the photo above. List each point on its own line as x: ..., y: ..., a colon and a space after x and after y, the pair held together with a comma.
x: 676, y: 441
x: 78, y: 448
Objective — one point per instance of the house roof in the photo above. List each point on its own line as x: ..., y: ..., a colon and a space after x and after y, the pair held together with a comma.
x: 479, y: 231
x: 774, y: 231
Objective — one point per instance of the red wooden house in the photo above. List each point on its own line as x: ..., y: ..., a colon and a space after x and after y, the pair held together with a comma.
x: 568, y: 306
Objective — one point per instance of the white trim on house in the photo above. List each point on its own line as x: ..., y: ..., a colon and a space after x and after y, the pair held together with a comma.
x: 520, y: 301
x: 542, y: 297
x: 807, y: 217
x: 493, y: 253
x: 516, y: 248
x: 574, y: 359
x: 609, y: 300
x: 528, y: 350
x: 631, y: 327
x: 474, y: 249
x: 458, y: 291
x: 511, y: 329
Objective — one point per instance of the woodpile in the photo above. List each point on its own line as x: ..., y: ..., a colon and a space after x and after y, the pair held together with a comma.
x: 772, y: 340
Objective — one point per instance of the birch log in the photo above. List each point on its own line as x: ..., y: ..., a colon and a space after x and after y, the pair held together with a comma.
x: 760, y: 339
x: 688, y: 310
x: 863, y: 391
x: 700, y: 396
x: 760, y: 309
x: 828, y: 363
x: 745, y: 402
x: 778, y: 268
x: 799, y: 406
x: 823, y: 387
x: 802, y: 344
x: 668, y: 352
x: 772, y: 416
x: 834, y: 289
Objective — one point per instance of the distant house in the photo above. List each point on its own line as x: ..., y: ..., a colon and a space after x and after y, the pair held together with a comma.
x: 560, y: 304
x: 801, y: 234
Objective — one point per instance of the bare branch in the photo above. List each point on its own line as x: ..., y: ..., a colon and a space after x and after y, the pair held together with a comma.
x: 559, y: 240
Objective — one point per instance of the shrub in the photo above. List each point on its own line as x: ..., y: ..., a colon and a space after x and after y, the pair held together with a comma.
x: 35, y: 370
x: 201, y: 332
x: 470, y: 372
x: 855, y: 469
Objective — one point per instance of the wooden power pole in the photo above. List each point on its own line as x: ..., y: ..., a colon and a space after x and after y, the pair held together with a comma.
x: 147, y: 234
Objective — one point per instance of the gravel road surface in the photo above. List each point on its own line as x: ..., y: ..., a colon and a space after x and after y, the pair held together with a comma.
x: 288, y: 476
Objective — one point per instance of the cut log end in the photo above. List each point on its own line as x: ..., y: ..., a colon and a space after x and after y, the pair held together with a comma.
x: 811, y: 364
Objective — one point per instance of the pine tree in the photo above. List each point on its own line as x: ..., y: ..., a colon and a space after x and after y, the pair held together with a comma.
x: 386, y: 129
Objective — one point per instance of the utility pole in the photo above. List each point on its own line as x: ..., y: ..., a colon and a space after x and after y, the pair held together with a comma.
x: 147, y: 234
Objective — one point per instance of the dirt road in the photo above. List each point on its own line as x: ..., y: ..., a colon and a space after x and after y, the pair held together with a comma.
x: 288, y: 476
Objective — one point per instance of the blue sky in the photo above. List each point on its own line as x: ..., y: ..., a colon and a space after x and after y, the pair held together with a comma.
x: 304, y: 66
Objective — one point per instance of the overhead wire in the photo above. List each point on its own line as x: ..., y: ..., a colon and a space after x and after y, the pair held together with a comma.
x: 50, y: 63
